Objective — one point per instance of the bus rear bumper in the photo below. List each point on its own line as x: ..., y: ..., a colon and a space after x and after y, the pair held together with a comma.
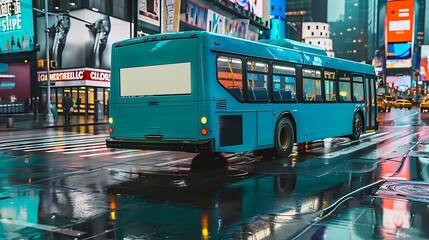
x: 183, y: 146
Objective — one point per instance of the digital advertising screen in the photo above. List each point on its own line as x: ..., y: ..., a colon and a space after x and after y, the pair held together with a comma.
x: 16, y: 26
x: 400, y: 21
x: 399, y: 55
x: 401, y: 82
x: 424, y: 71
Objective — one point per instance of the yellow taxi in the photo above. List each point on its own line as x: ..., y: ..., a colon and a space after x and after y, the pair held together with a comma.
x: 383, y: 104
x: 424, y: 105
x: 402, y: 103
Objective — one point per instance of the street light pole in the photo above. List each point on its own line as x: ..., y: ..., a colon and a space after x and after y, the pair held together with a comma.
x: 49, y: 115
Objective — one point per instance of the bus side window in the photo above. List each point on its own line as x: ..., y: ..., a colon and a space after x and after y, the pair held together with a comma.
x: 250, y: 94
x: 329, y: 77
x: 236, y: 92
x: 358, y: 93
x: 257, y: 81
x: 344, y: 86
x: 276, y: 95
x: 284, y: 82
x: 312, y: 85
x: 230, y: 75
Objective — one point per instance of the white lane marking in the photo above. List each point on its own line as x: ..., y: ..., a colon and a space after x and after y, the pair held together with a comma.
x: 163, y: 164
x: 51, y: 142
x: 74, y: 147
x: 139, y: 154
x: 40, y: 147
x: 105, y: 153
x: 88, y: 149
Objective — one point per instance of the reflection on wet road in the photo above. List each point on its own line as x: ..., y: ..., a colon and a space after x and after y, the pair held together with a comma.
x: 66, y: 185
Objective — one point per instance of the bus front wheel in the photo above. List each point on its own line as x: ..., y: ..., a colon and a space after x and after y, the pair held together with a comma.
x: 357, y: 127
x: 284, y: 137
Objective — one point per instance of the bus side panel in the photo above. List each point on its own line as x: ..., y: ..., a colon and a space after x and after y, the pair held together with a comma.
x: 317, y: 121
x: 255, y: 131
x: 248, y: 133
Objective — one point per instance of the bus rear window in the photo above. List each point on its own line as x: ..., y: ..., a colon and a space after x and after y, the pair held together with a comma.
x: 165, y: 79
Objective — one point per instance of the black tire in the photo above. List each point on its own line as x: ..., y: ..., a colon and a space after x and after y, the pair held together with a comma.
x: 208, y: 161
x: 284, y: 137
x: 357, y: 127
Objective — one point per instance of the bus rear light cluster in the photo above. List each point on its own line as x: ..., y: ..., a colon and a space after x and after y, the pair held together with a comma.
x: 204, y: 130
x: 110, y: 130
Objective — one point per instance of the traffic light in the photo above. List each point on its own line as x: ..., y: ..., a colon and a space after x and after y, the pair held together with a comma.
x: 42, y: 63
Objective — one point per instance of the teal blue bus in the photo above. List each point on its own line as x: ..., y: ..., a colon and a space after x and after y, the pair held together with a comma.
x: 207, y: 93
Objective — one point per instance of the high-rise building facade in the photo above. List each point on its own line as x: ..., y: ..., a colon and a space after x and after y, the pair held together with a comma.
x: 350, y: 37
x: 299, y: 11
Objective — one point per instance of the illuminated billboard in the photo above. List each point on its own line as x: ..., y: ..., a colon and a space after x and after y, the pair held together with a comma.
x: 252, y: 6
x: 81, y: 39
x: 399, y: 55
x: 16, y: 26
x: 399, y: 34
x: 402, y: 83
x: 424, y: 71
x: 400, y: 21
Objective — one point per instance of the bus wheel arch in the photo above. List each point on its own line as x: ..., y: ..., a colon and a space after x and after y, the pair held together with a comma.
x: 284, y: 135
x: 357, y: 125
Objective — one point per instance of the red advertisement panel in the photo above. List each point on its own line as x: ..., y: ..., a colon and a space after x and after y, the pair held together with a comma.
x: 400, y: 21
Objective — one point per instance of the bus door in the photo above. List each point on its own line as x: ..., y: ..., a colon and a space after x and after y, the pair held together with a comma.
x: 371, y: 104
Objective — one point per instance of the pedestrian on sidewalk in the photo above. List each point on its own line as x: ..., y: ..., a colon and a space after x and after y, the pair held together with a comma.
x: 67, y: 104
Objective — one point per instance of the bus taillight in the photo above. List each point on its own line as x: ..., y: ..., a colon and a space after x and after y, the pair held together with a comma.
x: 204, y: 131
x: 111, y: 130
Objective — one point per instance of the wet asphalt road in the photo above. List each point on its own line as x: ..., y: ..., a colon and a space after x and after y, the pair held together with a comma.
x: 64, y: 184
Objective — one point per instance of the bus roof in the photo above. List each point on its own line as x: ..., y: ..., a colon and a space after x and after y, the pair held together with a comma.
x: 291, y: 44
x: 277, y: 49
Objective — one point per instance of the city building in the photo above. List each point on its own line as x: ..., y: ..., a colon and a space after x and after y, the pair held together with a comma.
x: 318, y: 34
x: 349, y: 36
x: 300, y: 11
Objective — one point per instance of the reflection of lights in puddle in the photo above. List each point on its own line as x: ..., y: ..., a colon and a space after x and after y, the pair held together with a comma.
x: 179, y: 183
x: 413, y: 190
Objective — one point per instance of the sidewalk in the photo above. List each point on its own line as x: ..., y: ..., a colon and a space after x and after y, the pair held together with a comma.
x: 29, y: 121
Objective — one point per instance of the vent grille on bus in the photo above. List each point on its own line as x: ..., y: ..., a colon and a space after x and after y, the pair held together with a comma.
x: 221, y: 104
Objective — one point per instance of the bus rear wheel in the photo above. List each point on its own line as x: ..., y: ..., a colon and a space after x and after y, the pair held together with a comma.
x: 357, y: 127
x: 284, y: 137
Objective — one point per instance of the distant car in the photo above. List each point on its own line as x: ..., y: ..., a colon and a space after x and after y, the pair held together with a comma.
x: 383, y: 104
x: 402, y: 103
x: 424, y: 105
